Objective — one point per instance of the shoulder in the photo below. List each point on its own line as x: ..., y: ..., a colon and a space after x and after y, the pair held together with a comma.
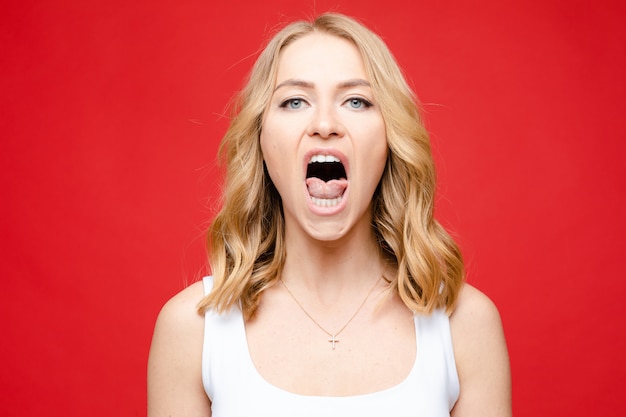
x: 473, y: 309
x: 182, y: 308
x: 476, y: 329
x: 175, y: 362
x: 481, y: 356
x: 179, y: 326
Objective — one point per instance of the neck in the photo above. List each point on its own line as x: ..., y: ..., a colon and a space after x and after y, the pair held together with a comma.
x: 333, y: 270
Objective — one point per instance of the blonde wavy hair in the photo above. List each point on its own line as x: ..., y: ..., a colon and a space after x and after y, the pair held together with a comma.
x: 246, y: 238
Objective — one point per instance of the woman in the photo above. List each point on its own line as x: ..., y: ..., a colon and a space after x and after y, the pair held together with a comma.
x: 334, y: 291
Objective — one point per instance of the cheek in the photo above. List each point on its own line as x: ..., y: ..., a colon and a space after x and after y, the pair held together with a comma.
x: 273, y: 156
x: 378, y: 153
x: 378, y: 144
x: 268, y: 149
x: 380, y: 163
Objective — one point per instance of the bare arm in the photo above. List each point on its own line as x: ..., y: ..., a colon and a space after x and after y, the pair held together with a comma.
x: 174, y: 367
x: 481, y: 356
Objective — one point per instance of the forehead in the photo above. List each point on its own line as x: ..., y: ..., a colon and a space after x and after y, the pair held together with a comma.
x: 320, y: 57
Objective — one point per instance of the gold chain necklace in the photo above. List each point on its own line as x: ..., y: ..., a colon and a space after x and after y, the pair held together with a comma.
x: 333, y: 336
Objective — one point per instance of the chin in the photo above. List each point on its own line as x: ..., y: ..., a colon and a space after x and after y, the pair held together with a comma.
x: 329, y: 232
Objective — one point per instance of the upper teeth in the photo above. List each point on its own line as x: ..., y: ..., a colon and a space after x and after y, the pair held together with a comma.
x: 323, y: 158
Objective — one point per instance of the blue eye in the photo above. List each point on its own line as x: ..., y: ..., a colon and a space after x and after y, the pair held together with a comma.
x: 292, y: 103
x: 358, y: 103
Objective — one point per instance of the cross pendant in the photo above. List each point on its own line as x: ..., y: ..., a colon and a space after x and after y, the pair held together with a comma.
x: 333, y: 339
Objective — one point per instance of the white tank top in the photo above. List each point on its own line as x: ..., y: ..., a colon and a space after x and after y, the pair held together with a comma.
x: 236, y: 389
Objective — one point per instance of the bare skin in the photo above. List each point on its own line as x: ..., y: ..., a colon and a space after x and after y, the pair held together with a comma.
x: 481, y: 356
x: 175, y: 383
x: 333, y: 260
x: 174, y: 366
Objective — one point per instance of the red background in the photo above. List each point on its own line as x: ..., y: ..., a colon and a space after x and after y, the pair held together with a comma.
x: 111, y: 112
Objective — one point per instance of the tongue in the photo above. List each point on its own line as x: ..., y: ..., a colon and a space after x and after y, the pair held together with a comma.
x: 331, y: 189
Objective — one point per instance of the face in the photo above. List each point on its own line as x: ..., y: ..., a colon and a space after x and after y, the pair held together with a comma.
x: 323, y: 138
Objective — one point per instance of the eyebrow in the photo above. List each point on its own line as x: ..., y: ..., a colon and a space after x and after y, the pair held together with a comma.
x: 357, y: 82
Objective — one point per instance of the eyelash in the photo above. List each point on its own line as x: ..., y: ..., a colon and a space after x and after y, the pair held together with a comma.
x: 285, y: 104
x: 366, y: 103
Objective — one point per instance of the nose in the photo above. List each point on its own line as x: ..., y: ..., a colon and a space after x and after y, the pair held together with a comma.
x: 325, y: 123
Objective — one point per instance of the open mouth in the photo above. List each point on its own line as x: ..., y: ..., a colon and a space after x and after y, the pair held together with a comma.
x: 326, y: 168
x: 326, y: 180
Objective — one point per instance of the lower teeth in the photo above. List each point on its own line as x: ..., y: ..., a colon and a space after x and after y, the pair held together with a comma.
x: 325, y: 202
